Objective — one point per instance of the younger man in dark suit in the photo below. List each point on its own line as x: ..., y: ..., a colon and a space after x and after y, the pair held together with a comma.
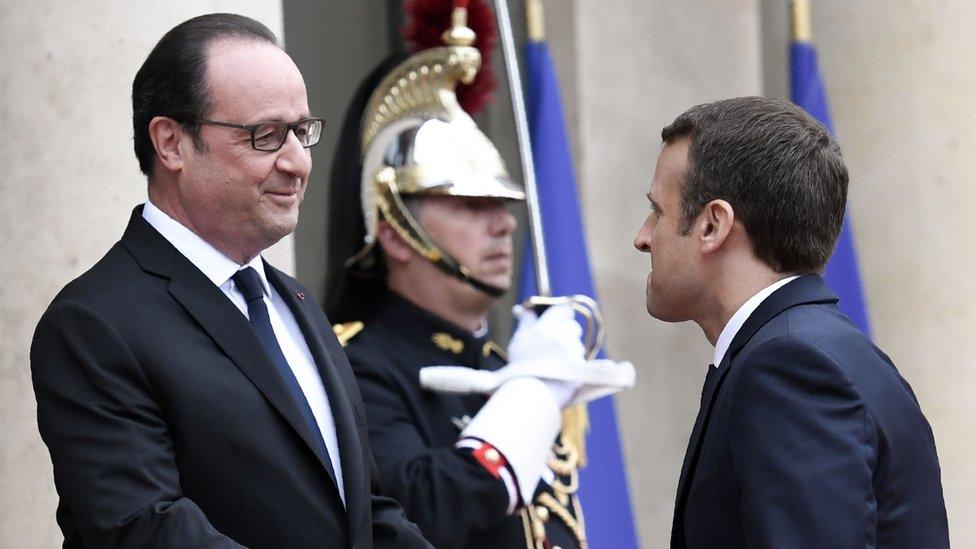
x: 807, y: 435
x: 189, y: 394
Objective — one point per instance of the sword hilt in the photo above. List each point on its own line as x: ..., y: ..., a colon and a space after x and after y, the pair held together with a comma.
x: 583, y: 305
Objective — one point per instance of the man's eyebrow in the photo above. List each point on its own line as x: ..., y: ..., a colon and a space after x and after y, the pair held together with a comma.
x: 653, y: 204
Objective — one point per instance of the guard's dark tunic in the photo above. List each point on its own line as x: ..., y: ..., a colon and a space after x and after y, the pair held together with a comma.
x: 454, y: 499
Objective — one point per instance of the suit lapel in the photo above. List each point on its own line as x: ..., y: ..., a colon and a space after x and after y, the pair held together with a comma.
x: 347, y: 433
x: 709, y: 395
x: 218, y: 316
x: 232, y: 332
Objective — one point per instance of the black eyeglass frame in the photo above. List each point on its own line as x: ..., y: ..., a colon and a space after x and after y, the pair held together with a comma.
x: 252, y: 128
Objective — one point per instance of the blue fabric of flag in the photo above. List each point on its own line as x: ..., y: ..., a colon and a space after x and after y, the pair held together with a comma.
x: 842, y: 273
x: 603, y: 494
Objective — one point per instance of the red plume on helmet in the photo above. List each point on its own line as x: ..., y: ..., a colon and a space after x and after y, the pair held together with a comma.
x: 426, y: 21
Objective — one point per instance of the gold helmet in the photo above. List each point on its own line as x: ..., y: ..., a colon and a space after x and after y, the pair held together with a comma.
x: 418, y: 141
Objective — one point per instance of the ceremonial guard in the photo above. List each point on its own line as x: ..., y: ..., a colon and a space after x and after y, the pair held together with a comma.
x: 420, y: 247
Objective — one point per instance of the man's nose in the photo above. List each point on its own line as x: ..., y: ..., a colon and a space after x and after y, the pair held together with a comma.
x: 293, y: 158
x: 503, y: 222
x: 642, y: 242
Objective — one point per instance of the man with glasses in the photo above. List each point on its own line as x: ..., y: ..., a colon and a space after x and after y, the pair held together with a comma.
x: 189, y: 393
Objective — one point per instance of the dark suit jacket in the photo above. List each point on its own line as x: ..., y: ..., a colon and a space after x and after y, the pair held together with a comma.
x: 810, y: 438
x: 169, y: 426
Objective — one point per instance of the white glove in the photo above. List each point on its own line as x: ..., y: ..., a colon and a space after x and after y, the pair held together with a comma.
x: 555, y: 336
x: 592, y: 379
x: 520, y: 420
x: 546, y: 371
x: 547, y: 348
x: 552, y: 338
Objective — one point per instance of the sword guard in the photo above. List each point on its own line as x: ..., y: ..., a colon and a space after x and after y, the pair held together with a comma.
x: 583, y: 305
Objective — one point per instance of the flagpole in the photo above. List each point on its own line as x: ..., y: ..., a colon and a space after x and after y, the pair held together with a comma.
x: 575, y: 418
x: 807, y: 91
x: 525, y: 148
x: 535, y: 25
x: 802, y: 29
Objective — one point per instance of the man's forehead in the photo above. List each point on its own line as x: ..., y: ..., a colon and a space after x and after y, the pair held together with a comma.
x: 254, y: 79
x: 675, y: 152
x: 672, y: 161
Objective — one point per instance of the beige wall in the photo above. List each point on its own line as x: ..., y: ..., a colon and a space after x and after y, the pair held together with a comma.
x: 70, y: 180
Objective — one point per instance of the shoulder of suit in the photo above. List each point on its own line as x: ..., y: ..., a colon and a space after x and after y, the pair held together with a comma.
x: 345, y: 331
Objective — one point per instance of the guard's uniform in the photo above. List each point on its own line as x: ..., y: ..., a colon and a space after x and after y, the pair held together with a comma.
x: 452, y: 497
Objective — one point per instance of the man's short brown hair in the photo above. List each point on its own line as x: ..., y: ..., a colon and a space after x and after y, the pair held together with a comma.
x: 780, y: 169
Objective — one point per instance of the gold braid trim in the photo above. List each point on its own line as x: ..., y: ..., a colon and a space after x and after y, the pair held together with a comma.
x: 576, y: 422
x: 575, y: 526
x: 529, y: 523
x: 345, y: 331
x: 546, y: 505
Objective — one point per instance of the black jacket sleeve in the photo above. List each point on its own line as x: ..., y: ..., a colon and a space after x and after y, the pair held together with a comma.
x: 444, y: 490
x: 112, y: 452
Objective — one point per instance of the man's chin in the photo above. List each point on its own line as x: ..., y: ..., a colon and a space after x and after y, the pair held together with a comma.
x: 283, y: 224
x: 504, y: 286
x: 665, y: 315
x: 654, y: 309
x: 497, y: 279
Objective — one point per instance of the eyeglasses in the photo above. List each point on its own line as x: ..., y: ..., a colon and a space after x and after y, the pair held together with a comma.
x: 270, y: 136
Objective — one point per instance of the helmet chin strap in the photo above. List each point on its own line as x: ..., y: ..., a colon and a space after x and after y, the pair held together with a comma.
x: 461, y: 273
x: 396, y: 213
x: 493, y: 291
x: 431, y: 251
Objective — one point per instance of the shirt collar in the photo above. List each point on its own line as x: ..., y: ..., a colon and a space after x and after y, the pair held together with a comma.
x: 739, y: 318
x: 212, y: 263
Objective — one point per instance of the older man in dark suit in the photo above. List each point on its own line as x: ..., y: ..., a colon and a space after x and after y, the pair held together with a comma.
x: 807, y: 435
x: 189, y: 393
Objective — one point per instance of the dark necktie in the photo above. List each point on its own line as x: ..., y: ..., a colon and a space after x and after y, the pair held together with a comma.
x: 709, y: 387
x: 698, y: 437
x: 249, y: 284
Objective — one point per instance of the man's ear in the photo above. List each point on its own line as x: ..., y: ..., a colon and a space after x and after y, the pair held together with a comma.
x: 166, y: 134
x: 396, y: 248
x: 715, y: 224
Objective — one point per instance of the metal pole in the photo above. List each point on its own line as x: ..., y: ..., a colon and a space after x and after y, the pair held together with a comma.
x: 525, y: 148
x: 801, y: 28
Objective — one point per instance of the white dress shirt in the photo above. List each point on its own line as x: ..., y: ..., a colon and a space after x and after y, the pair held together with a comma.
x: 219, y: 269
x: 741, y: 315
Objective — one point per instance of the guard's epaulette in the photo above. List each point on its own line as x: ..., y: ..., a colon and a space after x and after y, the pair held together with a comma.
x: 492, y: 348
x: 345, y: 331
